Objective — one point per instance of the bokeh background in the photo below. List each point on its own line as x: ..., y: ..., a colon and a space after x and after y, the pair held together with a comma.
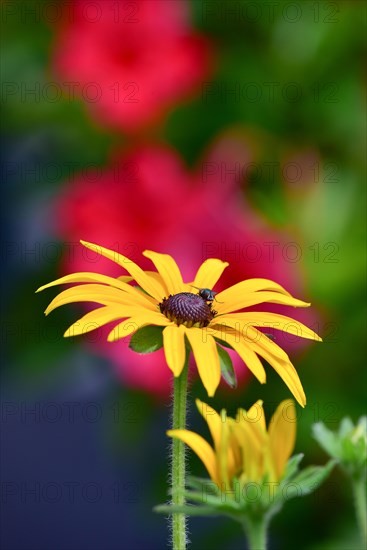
x: 206, y: 128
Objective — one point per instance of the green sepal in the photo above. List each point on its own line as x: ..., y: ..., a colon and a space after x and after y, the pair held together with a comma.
x: 204, y: 498
x: 187, y: 509
x: 292, y: 466
x: 307, y: 481
x: 219, y: 502
x: 327, y: 439
x: 226, y: 368
x: 199, y: 482
x: 147, y: 339
x: 346, y: 426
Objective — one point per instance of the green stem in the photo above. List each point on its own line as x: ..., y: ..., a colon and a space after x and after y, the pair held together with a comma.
x: 178, y: 458
x: 255, y: 530
x: 359, y: 490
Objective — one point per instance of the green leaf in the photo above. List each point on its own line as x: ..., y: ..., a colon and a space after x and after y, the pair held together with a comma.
x: 226, y: 368
x: 223, y: 343
x: 147, y: 339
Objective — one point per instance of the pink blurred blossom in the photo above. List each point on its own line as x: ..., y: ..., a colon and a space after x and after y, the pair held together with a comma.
x: 131, y: 64
x: 148, y: 199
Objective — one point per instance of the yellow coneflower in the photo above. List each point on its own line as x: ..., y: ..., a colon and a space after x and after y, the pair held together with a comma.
x: 161, y: 298
x: 244, y: 450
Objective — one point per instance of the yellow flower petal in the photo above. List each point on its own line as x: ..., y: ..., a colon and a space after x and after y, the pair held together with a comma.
x: 209, y: 272
x: 249, y: 334
x: 287, y: 372
x: 256, y: 415
x: 68, y: 297
x: 201, y: 448
x: 213, y: 420
x: 89, y: 277
x: 174, y: 348
x: 251, y: 299
x: 234, y: 452
x: 282, y: 435
x: 168, y: 270
x: 147, y: 283
x: 276, y: 321
x: 129, y: 326
x: 99, y: 294
x: 253, y: 421
x: 225, y: 458
x: 252, y: 451
x: 258, y: 339
x: 158, y: 281
x: 206, y: 356
x: 99, y: 317
x: 249, y: 286
x: 247, y: 355
x: 125, y: 278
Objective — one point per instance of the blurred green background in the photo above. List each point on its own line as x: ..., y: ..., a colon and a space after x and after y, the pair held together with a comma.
x: 304, y: 61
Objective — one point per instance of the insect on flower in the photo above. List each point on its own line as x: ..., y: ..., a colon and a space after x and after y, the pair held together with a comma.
x: 206, y: 294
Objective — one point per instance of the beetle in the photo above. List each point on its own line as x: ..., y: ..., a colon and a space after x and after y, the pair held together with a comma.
x: 206, y: 294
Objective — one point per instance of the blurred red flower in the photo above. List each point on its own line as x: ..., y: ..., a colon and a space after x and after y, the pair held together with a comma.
x: 147, y: 199
x: 130, y: 61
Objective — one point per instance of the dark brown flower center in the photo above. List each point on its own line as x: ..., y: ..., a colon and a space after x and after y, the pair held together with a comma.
x: 187, y: 309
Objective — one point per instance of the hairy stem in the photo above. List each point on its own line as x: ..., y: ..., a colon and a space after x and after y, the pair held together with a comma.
x: 178, y: 458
